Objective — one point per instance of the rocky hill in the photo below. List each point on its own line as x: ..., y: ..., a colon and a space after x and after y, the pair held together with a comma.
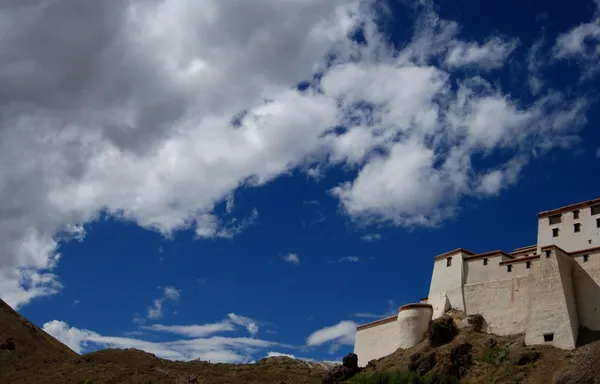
x: 29, y: 355
x: 468, y: 355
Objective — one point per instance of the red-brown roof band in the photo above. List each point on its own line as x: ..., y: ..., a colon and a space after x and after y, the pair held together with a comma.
x: 548, y: 247
x: 567, y: 208
x: 392, y: 318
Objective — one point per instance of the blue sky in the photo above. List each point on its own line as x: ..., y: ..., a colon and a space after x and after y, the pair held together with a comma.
x: 225, y: 181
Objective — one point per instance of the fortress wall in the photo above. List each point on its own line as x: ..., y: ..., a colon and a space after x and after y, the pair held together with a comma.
x: 565, y: 268
x: 586, y: 281
x: 376, y: 341
x: 413, y: 320
x: 552, y: 305
x: 446, y: 282
x: 477, y: 272
x: 504, y: 304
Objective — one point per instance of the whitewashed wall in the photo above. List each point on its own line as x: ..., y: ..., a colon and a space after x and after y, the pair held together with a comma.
x: 446, y: 282
x: 553, y: 307
x: 376, y: 342
x: 586, y: 280
x: 504, y: 304
x: 413, y: 323
x: 568, y: 239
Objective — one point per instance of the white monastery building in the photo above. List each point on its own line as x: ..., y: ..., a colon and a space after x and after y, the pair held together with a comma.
x: 548, y: 291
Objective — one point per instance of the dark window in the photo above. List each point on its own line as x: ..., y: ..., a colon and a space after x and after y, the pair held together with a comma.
x: 528, y: 264
x: 448, y: 262
x: 577, y: 227
x: 576, y: 214
x: 485, y: 261
x: 586, y: 258
x: 554, y: 232
x: 556, y: 219
x: 597, y: 223
x: 509, y: 268
x: 548, y: 337
x: 595, y: 209
x: 547, y: 253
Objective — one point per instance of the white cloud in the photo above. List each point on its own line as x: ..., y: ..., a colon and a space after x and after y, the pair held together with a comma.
x: 169, y: 294
x: 193, y: 330
x: 371, y: 237
x: 229, y: 324
x: 292, y: 258
x: 582, y: 43
x: 250, y: 324
x: 491, y: 55
x: 74, y: 338
x: 127, y: 133
x: 341, y: 333
x: 214, y: 349
x: 349, y: 259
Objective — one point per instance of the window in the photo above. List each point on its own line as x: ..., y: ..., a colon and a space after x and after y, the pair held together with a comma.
x: 595, y: 209
x: 576, y: 214
x: 556, y: 219
x: 485, y: 261
x: 586, y: 258
x: 547, y: 253
x: 548, y: 337
x: 577, y: 227
x: 509, y: 268
x: 554, y: 232
x: 448, y: 262
x: 528, y: 264
x: 597, y: 223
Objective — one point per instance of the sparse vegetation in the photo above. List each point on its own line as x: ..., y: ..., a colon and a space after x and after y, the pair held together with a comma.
x: 402, y: 378
x: 496, y: 356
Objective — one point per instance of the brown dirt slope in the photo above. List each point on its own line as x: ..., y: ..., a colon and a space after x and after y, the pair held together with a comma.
x: 30, y: 355
x: 22, y: 343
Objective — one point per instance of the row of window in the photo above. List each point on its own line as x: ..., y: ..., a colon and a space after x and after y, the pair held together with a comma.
x: 557, y: 219
x: 509, y: 266
x: 576, y: 228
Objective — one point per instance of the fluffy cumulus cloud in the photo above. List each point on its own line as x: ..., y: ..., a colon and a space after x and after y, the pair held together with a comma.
x: 342, y: 333
x: 156, y: 111
x: 199, y: 342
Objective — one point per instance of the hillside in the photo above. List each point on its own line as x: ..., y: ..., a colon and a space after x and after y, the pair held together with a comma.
x: 480, y: 358
x: 29, y: 355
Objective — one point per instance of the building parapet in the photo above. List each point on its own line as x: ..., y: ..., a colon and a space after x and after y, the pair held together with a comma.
x: 413, y: 306
x: 452, y: 253
x: 377, y: 322
x: 520, y: 260
x: 488, y: 254
x: 568, y: 208
x: 523, y: 249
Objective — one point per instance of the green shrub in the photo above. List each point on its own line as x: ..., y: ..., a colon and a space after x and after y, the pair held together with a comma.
x: 496, y: 356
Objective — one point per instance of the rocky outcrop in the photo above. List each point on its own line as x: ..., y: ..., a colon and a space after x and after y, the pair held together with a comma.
x: 441, y: 331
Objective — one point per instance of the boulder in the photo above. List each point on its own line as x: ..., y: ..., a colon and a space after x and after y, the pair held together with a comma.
x: 341, y: 373
x: 441, y: 331
x: 351, y: 361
